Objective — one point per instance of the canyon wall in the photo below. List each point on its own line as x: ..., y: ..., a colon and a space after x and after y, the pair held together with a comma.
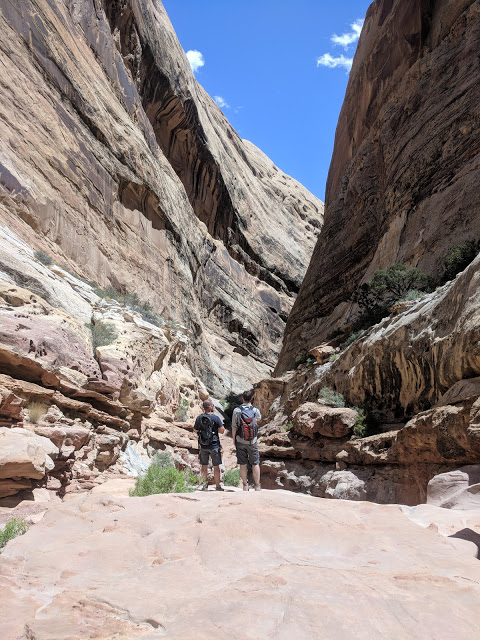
x: 376, y: 414
x: 117, y: 163
x: 403, y: 180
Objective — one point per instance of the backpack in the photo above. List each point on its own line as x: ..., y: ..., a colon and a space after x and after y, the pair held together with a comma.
x: 249, y: 427
x: 205, y: 431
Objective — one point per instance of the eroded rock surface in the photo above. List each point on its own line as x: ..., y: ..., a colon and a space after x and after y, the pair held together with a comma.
x: 403, y: 180
x: 285, y: 565
x: 116, y: 162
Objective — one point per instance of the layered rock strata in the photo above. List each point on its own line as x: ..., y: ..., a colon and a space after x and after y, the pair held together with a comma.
x: 116, y: 162
x: 416, y: 374
x: 403, y: 180
x: 88, y: 388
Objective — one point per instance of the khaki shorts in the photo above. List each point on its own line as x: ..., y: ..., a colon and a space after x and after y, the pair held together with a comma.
x: 247, y: 452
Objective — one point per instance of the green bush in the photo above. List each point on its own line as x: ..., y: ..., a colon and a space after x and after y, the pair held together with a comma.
x: 333, y: 357
x: 232, y: 477
x: 458, y: 257
x: 43, y: 257
x: 353, y: 336
x: 288, y: 426
x: 14, y: 527
x: 102, y: 334
x: 182, y: 411
x: 360, y: 426
x: 331, y: 397
x: 413, y: 294
x: 163, y: 477
x: 376, y: 297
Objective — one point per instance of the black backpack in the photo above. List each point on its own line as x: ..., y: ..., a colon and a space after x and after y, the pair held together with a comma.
x: 205, y: 430
x: 248, y: 429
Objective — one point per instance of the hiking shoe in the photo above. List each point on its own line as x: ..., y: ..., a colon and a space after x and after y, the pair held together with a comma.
x: 246, y: 487
x: 258, y: 487
x: 219, y: 488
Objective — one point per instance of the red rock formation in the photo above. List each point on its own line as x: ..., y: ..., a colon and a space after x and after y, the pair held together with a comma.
x: 403, y: 181
x: 117, y: 162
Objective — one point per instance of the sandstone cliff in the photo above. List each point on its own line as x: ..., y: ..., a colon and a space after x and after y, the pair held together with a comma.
x: 403, y: 180
x: 116, y: 162
x: 402, y: 188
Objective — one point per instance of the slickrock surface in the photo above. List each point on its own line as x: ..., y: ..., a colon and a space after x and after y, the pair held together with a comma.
x: 116, y: 162
x: 403, y: 180
x: 257, y: 565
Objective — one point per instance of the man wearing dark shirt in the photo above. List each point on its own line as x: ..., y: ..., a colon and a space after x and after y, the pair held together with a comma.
x: 209, y: 447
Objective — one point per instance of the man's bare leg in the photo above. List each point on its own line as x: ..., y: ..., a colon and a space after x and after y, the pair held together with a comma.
x: 205, y: 474
x: 216, y: 475
x: 243, y: 474
x: 256, y: 474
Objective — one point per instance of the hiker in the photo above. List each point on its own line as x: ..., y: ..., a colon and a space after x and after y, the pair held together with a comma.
x: 208, y: 426
x: 244, y: 433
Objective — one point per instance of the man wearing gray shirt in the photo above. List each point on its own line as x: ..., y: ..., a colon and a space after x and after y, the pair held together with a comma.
x: 244, y: 432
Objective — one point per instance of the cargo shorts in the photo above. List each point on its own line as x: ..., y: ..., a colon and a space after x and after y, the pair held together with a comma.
x: 247, y: 452
x: 205, y: 454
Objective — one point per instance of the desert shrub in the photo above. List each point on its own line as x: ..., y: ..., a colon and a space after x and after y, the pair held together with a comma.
x: 163, y: 477
x: 331, y: 397
x: 353, y: 336
x: 458, y: 257
x: 43, y: 257
x: 303, y: 357
x: 36, y: 410
x: 109, y: 293
x: 232, y: 477
x: 182, y: 411
x: 103, y: 333
x: 333, y: 357
x: 288, y: 426
x: 387, y: 286
x: 360, y: 426
x: 413, y: 294
x: 14, y: 527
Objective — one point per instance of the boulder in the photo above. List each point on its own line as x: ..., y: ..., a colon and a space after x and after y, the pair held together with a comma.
x: 322, y: 353
x: 24, y: 454
x: 458, y: 489
x: 313, y: 418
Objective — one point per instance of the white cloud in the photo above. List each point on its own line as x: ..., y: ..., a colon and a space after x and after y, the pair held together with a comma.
x: 221, y: 102
x: 346, y: 39
x: 195, y: 58
x: 332, y: 62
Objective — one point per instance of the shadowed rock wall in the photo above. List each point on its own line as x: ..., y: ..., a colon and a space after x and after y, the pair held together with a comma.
x: 119, y: 164
x: 403, y: 181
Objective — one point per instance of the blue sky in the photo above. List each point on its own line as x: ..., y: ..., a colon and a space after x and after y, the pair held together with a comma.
x: 260, y: 57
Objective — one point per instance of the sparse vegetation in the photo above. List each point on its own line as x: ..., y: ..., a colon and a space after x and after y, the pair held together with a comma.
x: 353, y: 336
x: 232, y: 477
x: 360, y: 426
x: 14, y: 527
x: 182, y: 411
x: 331, y: 397
x: 413, y: 294
x: 36, y: 410
x: 333, y: 357
x: 288, y: 426
x: 43, y: 257
x: 102, y: 333
x: 458, y: 257
x: 163, y: 477
x: 376, y: 297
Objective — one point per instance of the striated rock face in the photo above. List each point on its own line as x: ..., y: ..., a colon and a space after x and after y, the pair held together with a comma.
x: 132, y: 556
x: 119, y: 164
x: 403, y: 181
x: 88, y: 388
